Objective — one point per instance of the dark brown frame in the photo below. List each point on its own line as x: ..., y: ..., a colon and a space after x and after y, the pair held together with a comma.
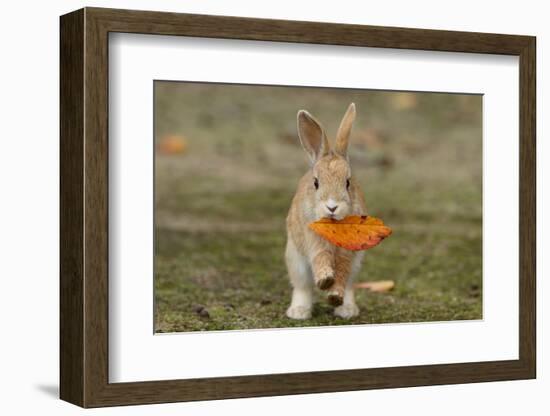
x: 84, y: 207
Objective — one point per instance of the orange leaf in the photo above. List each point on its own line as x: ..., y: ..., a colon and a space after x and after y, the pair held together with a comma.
x: 352, y: 233
x: 378, y: 286
x: 172, y: 144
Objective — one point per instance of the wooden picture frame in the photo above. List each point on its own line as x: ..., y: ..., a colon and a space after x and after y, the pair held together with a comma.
x: 84, y: 207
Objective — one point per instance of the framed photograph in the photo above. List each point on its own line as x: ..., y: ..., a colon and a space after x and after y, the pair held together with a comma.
x: 257, y: 207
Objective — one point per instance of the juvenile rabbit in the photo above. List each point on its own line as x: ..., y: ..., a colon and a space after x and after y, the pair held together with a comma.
x: 326, y: 190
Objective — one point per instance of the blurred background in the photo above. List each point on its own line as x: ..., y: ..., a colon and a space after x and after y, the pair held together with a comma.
x: 227, y: 163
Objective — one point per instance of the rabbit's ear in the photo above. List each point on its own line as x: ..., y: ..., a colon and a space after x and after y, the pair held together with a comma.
x: 312, y: 136
x: 342, y: 137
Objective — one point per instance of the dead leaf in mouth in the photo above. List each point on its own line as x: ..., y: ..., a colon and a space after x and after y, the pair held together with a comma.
x: 352, y: 233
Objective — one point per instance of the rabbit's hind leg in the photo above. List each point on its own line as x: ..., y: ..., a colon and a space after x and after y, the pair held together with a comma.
x: 343, y: 260
x: 348, y: 309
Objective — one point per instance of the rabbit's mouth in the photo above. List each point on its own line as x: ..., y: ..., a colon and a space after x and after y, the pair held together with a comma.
x: 334, y: 217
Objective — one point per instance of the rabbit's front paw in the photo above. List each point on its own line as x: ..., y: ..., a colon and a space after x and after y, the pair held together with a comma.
x: 347, y: 311
x: 298, y: 312
x: 324, y: 278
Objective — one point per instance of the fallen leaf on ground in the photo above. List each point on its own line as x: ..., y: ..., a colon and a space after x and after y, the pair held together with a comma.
x: 352, y: 233
x: 172, y: 144
x: 378, y: 286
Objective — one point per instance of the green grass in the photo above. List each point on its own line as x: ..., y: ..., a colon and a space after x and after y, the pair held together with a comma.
x: 220, y: 207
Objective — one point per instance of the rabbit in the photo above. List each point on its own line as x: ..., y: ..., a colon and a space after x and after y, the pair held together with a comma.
x: 327, y: 190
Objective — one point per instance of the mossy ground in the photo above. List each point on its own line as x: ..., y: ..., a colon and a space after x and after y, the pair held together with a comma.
x: 220, y: 206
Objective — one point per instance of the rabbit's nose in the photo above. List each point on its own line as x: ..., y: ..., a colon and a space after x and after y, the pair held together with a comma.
x: 332, y: 209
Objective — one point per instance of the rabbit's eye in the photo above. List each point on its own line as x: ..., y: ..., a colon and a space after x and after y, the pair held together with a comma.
x: 316, y: 183
x: 347, y: 184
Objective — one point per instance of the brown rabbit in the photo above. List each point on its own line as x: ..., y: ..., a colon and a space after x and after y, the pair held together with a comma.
x: 326, y: 190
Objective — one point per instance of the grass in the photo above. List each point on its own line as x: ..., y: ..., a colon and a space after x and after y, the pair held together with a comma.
x: 220, y: 206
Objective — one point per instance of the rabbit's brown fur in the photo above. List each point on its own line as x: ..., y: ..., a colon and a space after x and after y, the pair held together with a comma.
x: 326, y: 190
